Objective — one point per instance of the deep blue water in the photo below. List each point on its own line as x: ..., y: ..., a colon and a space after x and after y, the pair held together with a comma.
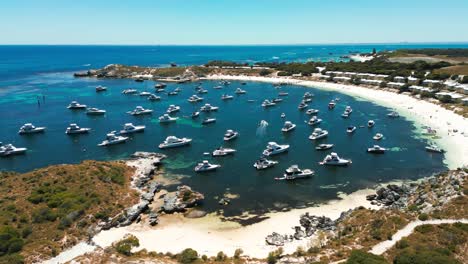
x: 28, y: 73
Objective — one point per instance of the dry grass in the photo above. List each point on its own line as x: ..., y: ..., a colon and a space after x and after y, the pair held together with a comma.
x: 454, y: 70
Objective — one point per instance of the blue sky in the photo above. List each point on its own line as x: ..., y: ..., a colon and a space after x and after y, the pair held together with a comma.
x: 231, y: 22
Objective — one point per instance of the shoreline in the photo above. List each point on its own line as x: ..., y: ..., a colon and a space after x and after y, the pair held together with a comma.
x: 421, y: 112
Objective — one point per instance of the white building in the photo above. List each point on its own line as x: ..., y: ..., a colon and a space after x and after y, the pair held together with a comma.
x: 399, y: 79
x: 396, y: 85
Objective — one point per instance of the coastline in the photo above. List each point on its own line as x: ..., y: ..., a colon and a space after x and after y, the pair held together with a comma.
x: 421, y: 112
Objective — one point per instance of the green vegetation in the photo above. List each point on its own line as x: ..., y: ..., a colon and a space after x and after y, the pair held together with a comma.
x: 187, y: 256
x: 220, y: 63
x: 434, y: 52
x: 125, y: 245
x: 362, y: 257
x: 274, y: 256
x: 288, y: 69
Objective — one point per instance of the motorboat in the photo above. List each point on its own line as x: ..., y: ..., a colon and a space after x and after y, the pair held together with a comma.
x: 166, y: 118
x: 112, y: 139
x: 264, y: 163
x: 293, y: 173
x: 160, y: 90
x: 226, y: 97
x: 145, y: 94
x: 139, y: 80
x: 172, y: 142
x: 307, y: 95
x: 172, y: 93
x: 195, y: 114
x: 307, y: 100
x: 273, y: 148
x: 376, y: 149
x: 206, y: 166
x: 312, y: 111
x: 202, y: 91
x: 324, y: 146
x: 347, y: 112
x: 434, y: 148
x: 195, y: 98
x: 318, y: 133
x: 218, y: 87
x: 370, y: 123
x: 277, y: 100
x: 10, y: 150
x: 129, y: 91
x: 153, y: 97
x: 129, y: 128
x: 283, y: 115
x: 75, y: 129
x: 331, y: 104
x: 314, y: 121
x: 302, y: 106
x: 208, y: 108
x: 225, y: 83
x: 378, y: 136
x: 334, y: 160
x: 95, y: 111
x: 101, y: 88
x: 75, y: 105
x: 160, y: 86
x: 208, y: 121
x: 230, y: 135
x: 177, y: 90
x: 139, y: 110
x: 268, y: 103
x: 345, y: 115
x: 240, y: 91
x: 219, y: 152
x: 29, y: 128
x: 393, y: 114
x: 283, y: 94
x: 243, y: 83
x: 172, y: 109
x: 288, y: 126
x: 351, y: 129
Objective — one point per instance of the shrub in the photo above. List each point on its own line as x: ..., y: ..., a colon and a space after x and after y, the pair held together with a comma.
x: 43, y: 214
x: 362, y: 257
x: 424, y: 229
x: 204, y: 257
x: 26, y: 232
x: 238, y: 253
x: 10, y: 241
x: 403, y: 243
x: 300, y: 252
x: 265, y: 72
x: 188, y: 255
x: 125, y: 245
x: 221, y: 256
x: 423, y: 217
x: 424, y: 256
x: 272, y: 258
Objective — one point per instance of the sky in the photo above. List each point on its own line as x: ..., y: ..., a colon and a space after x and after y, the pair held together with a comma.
x: 233, y: 22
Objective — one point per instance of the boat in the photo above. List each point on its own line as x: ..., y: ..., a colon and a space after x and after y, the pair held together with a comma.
x: 264, y: 163
x: 145, y: 94
x: 283, y: 94
x: 172, y: 109
x: 219, y: 152
x: 288, y: 126
x: 293, y: 173
x: 226, y: 97
x: 230, y: 135
x: 268, y: 103
x: 10, y: 150
x: 195, y: 114
x: 75, y: 129
x: 129, y: 128
x: 307, y: 95
x: 173, y: 142
x: 345, y: 115
x: 307, y: 100
x: 283, y: 115
x: 370, y: 123
x: 277, y: 100
x: 312, y: 111
x: 208, y: 108
x: 95, y: 111
x: 434, y: 148
x: 166, y: 118
x: 101, y: 88
x: 240, y: 91
x: 112, y: 139
x: 218, y: 87
x: 225, y: 83
x: 195, y: 98
x: 29, y: 128
x: 393, y: 114
x: 160, y: 86
x: 129, y: 91
x: 178, y: 90
x: 318, y: 133
x: 378, y: 136
x: 334, y: 160
x: 173, y: 93
x: 243, y: 83
x: 139, y: 110
x: 153, y: 97
x: 206, y: 166
x: 302, y: 106
x: 347, y: 112
x: 160, y: 90
x: 202, y: 91
x: 208, y: 121
x: 139, y: 80
x: 273, y: 148
x: 331, y: 104
x: 324, y: 146
x: 351, y: 129
x: 75, y: 105
x: 314, y: 121
x: 376, y: 149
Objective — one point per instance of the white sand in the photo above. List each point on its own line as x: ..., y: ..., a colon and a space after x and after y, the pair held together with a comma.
x: 422, y: 112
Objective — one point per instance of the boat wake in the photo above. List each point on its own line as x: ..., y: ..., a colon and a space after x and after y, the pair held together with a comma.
x: 262, y: 126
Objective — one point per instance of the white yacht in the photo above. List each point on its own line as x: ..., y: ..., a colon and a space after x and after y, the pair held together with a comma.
x: 202, y: 91
x: 160, y: 86
x: 139, y: 110
x: 76, y: 105
x: 95, y: 111
x: 324, y: 146
x: 100, y: 88
x: 347, y: 112
x: 376, y: 149
x: 145, y: 94
x: 331, y: 104
x: 160, y: 90
x: 112, y: 139
x: 129, y: 128
x: 308, y: 95
x: 277, y: 100
x: 293, y: 173
x: 129, y: 91
x: 172, y: 93
x: 264, y: 163
x: 10, y: 150
x: 314, y: 121
x: 273, y: 148
x: 172, y: 142
x: 268, y: 103
x: 393, y: 114
x: 302, y: 106
x: 195, y: 98
x: 166, y: 118
x: 219, y: 152
x: 351, y: 129
x: 206, y: 166
x: 172, y: 109
x: 195, y: 114
x: 288, y: 126
x: 208, y: 108
x: 307, y: 100
x: 29, y: 128
x: 434, y: 148
x: 318, y: 133
x: 178, y: 90
x: 226, y: 97
x: 75, y: 129
x: 370, y: 123
x: 230, y: 135
x: 283, y: 115
x: 217, y: 87
x: 208, y: 121
x: 282, y: 94
x: 334, y: 160
x: 153, y: 97
x: 312, y: 111
x: 378, y: 136
x: 240, y: 91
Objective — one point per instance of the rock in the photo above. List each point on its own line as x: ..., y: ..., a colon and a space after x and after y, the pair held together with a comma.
x: 275, y: 239
x: 153, y: 218
x: 182, y: 199
x: 371, y: 197
x: 195, y: 214
x: 299, y: 233
x: 224, y: 201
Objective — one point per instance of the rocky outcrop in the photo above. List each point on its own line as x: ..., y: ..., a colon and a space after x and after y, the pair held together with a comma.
x: 392, y: 196
x: 184, y: 198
